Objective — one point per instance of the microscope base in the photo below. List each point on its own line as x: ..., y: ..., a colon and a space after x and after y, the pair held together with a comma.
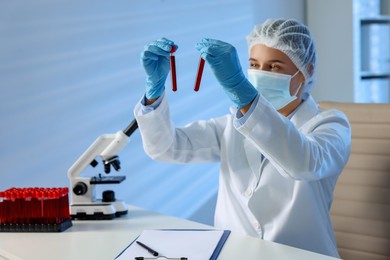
x: 98, y: 211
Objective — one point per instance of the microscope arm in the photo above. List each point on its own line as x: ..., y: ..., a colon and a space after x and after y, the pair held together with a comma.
x: 106, y: 146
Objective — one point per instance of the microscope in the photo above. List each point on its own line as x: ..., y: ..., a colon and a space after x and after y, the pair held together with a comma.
x: 84, y: 204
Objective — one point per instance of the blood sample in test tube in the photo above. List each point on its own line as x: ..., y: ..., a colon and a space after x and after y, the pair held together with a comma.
x: 2, y: 207
x: 173, y: 68
x: 199, y: 74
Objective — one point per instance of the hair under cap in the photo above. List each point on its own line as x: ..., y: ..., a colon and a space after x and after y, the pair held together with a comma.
x: 293, y: 39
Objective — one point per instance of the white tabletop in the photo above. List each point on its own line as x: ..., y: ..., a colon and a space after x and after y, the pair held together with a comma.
x: 105, y: 239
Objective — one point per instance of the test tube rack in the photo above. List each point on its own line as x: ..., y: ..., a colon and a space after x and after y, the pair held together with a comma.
x: 34, y: 210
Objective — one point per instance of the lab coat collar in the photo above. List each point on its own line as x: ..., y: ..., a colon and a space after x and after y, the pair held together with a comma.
x: 304, y: 112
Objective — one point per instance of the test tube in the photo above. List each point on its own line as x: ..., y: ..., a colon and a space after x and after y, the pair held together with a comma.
x: 173, y: 68
x: 199, y: 74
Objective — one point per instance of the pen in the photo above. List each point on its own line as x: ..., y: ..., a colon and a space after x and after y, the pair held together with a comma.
x: 173, y: 68
x: 154, y: 253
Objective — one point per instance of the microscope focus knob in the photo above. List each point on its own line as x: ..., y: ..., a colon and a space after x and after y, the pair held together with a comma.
x: 80, y: 188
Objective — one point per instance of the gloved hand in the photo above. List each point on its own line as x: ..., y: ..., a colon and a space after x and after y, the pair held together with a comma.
x: 155, y: 60
x: 223, y: 60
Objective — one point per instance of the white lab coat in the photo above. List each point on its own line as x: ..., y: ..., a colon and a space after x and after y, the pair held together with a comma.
x: 285, y: 197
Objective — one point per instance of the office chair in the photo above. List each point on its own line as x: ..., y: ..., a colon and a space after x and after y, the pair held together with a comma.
x: 361, y: 207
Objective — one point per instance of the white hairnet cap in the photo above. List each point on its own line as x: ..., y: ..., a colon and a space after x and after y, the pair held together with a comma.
x: 293, y: 39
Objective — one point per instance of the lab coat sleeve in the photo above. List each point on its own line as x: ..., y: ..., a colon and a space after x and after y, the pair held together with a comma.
x: 163, y: 142
x: 318, y: 149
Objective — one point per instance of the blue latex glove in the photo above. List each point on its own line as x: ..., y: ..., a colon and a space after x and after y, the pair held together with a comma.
x: 155, y: 60
x: 223, y: 60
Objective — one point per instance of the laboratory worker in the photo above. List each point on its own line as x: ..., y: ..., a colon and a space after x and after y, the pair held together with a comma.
x: 280, y: 155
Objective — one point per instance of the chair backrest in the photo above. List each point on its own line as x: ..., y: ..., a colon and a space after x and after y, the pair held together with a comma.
x: 361, y: 208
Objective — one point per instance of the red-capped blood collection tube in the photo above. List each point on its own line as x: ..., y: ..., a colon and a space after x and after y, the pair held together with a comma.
x: 199, y: 74
x: 173, y: 68
x: 33, y: 206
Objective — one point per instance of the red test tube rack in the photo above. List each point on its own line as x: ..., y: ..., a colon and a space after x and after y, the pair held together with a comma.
x: 34, y: 210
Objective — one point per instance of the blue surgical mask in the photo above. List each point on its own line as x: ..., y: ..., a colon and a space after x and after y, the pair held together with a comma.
x: 275, y: 87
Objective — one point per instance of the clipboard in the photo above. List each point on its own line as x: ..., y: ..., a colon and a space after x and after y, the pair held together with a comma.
x: 176, y: 243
